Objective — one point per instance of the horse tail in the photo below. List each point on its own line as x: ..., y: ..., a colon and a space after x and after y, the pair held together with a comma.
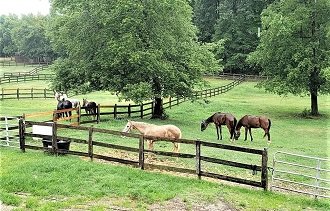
x: 269, y: 124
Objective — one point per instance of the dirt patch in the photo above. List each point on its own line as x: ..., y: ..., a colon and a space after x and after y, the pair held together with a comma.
x: 180, y: 205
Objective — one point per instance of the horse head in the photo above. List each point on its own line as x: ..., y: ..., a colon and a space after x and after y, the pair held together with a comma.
x: 85, y: 102
x: 237, y: 134
x: 203, y: 125
x: 128, y: 127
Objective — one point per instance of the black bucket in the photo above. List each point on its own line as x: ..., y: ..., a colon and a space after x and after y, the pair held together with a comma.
x: 63, y: 146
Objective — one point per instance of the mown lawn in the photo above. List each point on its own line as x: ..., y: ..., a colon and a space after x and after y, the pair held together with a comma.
x: 48, y: 182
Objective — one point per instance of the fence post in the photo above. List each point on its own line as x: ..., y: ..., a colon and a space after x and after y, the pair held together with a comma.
x: 21, y: 134
x: 45, y: 93
x: 32, y: 93
x: 129, y: 110
x: 141, y: 111
x: 115, y: 112
x: 18, y: 93
x: 54, y: 138
x: 2, y: 92
x: 90, y: 142
x: 141, y: 152
x: 264, y: 173
x: 198, y: 158
x: 170, y: 102
x: 98, y: 113
x: 79, y: 113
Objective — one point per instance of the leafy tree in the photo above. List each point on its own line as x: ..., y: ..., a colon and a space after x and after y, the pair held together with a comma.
x: 238, y: 24
x: 142, y: 50
x: 7, y: 46
x: 294, y: 49
x: 206, y: 16
x: 29, y: 36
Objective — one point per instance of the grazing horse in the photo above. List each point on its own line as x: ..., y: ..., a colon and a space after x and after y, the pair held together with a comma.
x: 60, y: 96
x: 166, y: 131
x: 221, y: 119
x: 65, y: 104
x: 90, y: 107
x: 249, y: 121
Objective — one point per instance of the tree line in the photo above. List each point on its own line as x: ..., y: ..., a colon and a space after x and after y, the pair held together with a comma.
x: 152, y: 49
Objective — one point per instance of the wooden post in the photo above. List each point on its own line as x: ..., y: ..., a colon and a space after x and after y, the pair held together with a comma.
x: 129, y: 110
x: 115, y: 112
x: 32, y: 93
x: 45, y: 93
x: 170, y: 102
x: 90, y: 142
x: 264, y: 173
x: 18, y: 93
x: 21, y: 134
x: 141, y: 111
x: 198, y: 158
x: 141, y: 152
x: 79, y: 113
x: 54, y: 138
x: 98, y: 113
x: 2, y: 92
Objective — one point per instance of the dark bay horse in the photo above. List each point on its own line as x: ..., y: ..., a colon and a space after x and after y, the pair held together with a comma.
x: 65, y: 104
x: 90, y: 107
x: 221, y: 119
x: 249, y: 121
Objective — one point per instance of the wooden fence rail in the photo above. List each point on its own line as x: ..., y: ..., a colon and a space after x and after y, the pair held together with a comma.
x: 198, y: 157
x: 24, y: 78
x: 26, y: 93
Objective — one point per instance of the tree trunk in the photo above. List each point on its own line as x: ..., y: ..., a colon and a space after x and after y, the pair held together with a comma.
x: 158, y: 112
x: 314, y: 106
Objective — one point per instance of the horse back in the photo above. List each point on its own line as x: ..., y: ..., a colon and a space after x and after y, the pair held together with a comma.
x: 173, y: 131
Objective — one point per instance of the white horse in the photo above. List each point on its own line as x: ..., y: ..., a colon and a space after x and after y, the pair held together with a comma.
x: 61, y: 96
x: 166, y: 131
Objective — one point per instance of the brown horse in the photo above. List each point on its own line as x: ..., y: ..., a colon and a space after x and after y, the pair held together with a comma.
x: 221, y: 119
x: 166, y: 131
x: 249, y: 121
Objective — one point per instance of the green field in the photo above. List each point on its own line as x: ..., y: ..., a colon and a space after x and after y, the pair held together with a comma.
x: 52, y: 183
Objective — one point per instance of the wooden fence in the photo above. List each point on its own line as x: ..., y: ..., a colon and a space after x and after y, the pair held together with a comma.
x: 197, y: 157
x: 26, y: 93
x: 24, y: 78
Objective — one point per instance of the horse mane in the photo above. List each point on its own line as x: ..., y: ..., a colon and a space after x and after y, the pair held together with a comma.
x: 210, y: 119
x: 239, y: 123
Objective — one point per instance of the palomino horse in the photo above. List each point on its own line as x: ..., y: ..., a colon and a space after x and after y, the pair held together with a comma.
x: 61, y: 96
x: 221, y: 119
x: 166, y: 131
x: 249, y: 121
x: 90, y: 107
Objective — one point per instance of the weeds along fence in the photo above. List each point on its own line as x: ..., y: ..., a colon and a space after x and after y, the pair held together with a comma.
x: 24, y: 78
x: 26, y: 93
x: 131, y: 151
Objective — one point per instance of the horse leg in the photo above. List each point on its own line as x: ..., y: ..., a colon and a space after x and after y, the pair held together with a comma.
x: 176, y: 147
x: 220, y: 132
x: 268, y: 135
x: 250, y: 134
x: 216, y: 127
x: 246, y: 130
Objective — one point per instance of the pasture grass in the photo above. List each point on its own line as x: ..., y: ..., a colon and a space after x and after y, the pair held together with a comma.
x: 37, y: 181
x: 37, y: 175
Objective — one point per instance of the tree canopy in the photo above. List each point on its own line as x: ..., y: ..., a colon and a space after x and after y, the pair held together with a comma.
x: 294, y: 50
x: 140, y: 49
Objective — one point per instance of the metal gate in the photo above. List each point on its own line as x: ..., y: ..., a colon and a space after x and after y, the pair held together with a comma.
x: 9, y: 131
x: 301, y: 174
